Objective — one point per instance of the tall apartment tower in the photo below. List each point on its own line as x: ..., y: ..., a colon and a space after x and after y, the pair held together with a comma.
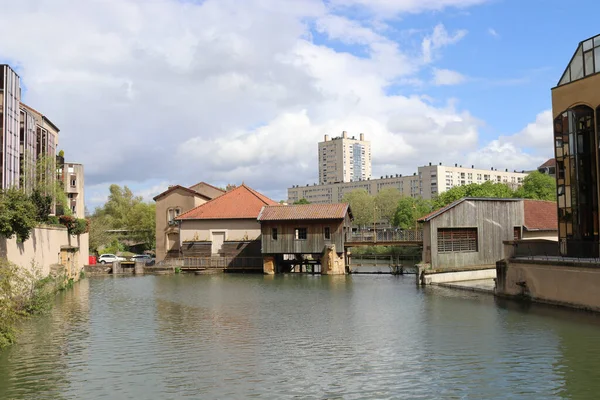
x: 344, y: 159
x: 10, y: 96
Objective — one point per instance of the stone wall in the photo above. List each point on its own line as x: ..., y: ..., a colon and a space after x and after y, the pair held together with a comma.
x: 47, y: 248
x: 572, y: 284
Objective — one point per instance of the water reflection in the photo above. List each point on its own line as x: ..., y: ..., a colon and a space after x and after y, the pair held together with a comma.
x: 238, y: 336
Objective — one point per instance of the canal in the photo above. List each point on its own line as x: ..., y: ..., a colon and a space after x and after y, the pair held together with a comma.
x: 297, y: 336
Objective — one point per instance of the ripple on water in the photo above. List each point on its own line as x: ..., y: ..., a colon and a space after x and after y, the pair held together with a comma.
x: 295, y: 337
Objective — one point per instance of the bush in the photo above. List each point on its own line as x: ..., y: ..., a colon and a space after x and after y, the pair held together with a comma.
x: 23, y: 293
x: 43, y: 205
x: 53, y: 220
x: 75, y: 226
x: 17, y: 214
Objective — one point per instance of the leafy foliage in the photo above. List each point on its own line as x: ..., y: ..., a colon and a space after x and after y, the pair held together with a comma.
x: 487, y: 189
x: 386, y: 202
x: 302, y: 201
x: 409, y: 210
x: 23, y: 293
x: 17, y: 214
x: 362, y: 205
x: 75, y: 226
x: 537, y: 186
x: 122, y: 211
x: 43, y: 205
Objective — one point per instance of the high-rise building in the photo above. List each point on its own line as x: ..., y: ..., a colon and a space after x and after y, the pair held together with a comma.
x: 344, y: 159
x: 10, y: 96
x: 576, y: 112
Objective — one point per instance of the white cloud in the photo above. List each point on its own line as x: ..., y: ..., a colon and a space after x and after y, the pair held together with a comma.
x: 438, y: 39
x: 524, y: 150
x: 492, y: 32
x: 393, y: 7
x: 446, y: 77
x: 225, y: 91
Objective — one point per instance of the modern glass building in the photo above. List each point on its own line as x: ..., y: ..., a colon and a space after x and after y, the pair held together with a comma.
x: 10, y: 93
x: 576, y: 112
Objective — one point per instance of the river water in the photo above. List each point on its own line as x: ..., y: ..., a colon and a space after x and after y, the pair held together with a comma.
x: 297, y: 336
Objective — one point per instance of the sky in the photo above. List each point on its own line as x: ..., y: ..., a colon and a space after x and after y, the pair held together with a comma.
x: 149, y: 93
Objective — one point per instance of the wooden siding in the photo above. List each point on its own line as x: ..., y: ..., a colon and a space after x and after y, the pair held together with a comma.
x: 315, y: 242
x: 495, y: 222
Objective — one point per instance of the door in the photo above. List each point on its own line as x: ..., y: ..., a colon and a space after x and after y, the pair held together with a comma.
x: 217, y: 242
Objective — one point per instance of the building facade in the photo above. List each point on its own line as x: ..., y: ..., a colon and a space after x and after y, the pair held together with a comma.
x: 576, y: 112
x: 72, y: 178
x: 10, y: 98
x: 26, y: 136
x: 170, y: 204
x: 429, y: 181
x: 471, y: 232
x: 344, y: 159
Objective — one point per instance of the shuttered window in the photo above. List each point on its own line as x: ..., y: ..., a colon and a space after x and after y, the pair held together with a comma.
x: 452, y: 240
x: 300, y: 234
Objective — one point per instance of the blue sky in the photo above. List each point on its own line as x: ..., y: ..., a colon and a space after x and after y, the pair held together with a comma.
x: 175, y: 92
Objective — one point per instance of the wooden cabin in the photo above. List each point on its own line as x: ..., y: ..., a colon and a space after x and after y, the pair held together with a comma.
x: 304, y: 229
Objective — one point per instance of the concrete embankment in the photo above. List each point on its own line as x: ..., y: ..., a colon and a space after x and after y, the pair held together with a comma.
x: 556, y: 281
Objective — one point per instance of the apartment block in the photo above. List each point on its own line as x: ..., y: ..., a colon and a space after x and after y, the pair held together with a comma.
x: 26, y: 135
x: 71, y: 176
x: 344, y: 159
x: 429, y: 181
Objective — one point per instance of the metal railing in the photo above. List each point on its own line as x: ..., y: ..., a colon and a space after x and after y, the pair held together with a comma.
x: 583, y: 251
x: 215, y: 262
x: 387, y: 235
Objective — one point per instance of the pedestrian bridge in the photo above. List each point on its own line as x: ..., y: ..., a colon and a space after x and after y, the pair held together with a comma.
x: 384, y: 237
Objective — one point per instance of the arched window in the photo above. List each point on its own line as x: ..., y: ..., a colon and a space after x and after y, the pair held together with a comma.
x: 576, y: 154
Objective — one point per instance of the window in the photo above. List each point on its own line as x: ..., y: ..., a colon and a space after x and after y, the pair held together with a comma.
x: 73, y: 182
x: 327, y: 233
x: 452, y: 240
x: 300, y: 234
x: 517, y: 233
x: 274, y: 233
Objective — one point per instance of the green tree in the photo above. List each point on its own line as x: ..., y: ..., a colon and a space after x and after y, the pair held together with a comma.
x: 487, y: 189
x: 17, y: 214
x: 537, y: 186
x: 409, y: 210
x: 120, y: 202
x: 362, y: 205
x: 386, y: 202
x: 99, y: 236
x: 141, y: 222
x: 302, y: 201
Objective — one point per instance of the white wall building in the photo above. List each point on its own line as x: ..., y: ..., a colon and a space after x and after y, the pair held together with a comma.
x: 429, y: 181
x: 344, y: 159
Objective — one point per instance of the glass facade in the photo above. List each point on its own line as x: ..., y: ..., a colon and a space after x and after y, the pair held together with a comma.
x: 9, y: 127
x: 585, y: 62
x: 576, y: 153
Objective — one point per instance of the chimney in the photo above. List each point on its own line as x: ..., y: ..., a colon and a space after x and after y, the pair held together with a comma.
x: 362, y: 137
x: 472, y: 166
x: 455, y: 164
x: 506, y: 170
x: 430, y: 164
x: 326, y: 138
x: 440, y: 163
x: 344, y: 134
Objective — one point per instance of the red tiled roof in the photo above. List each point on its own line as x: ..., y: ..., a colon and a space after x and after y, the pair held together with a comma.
x: 540, y: 215
x: 550, y: 163
x: 304, y: 212
x: 175, y: 187
x: 239, y: 203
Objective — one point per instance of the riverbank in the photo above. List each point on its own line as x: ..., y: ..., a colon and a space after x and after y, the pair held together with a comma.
x: 25, y: 293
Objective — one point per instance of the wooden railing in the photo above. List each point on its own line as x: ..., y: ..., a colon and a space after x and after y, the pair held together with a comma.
x: 387, y: 235
x: 215, y: 262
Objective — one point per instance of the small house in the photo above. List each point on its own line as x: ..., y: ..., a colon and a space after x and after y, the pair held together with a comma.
x: 224, y: 226
x: 305, y: 230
